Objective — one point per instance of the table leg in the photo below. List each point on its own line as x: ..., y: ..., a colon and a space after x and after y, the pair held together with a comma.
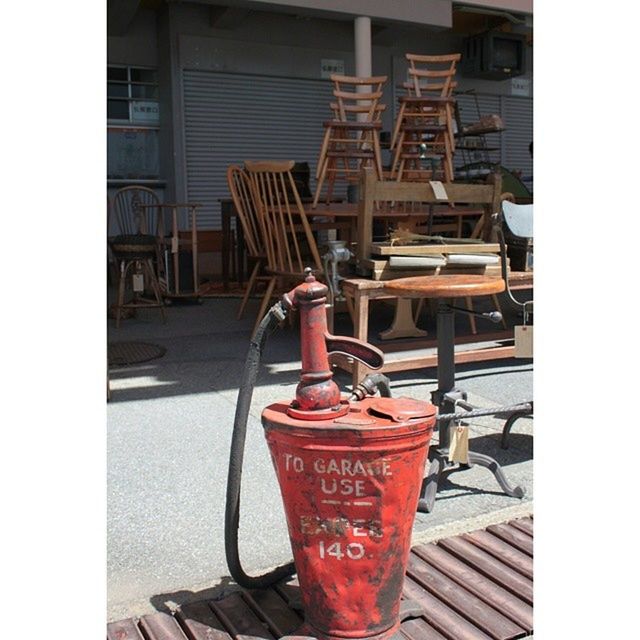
x: 361, y: 331
x: 403, y: 325
x: 240, y: 251
x: 226, y: 233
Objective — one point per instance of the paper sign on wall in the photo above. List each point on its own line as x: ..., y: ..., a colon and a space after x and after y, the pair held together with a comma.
x: 327, y: 67
x: 520, y: 87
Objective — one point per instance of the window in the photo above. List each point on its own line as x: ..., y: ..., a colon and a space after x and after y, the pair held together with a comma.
x: 132, y: 95
x: 133, y: 118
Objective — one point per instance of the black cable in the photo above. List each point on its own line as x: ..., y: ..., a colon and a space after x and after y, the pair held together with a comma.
x: 232, y: 510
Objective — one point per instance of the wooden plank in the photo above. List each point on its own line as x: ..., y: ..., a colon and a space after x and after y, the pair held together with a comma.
x: 123, y: 630
x: 462, y: 600
x: 425, y: 362
x: 419, y: 629
x: 513, y: 536
x: 161, y: 626
x: 491, y: 593
x: 385, y: 249
x: 498, y: 548
x: 422, y: 192
x: 487, y: 565
x: 200, y: 623
x: 524, y: 524
x: 239, y: 619
x: 274, y: 611
x: 449, y: 623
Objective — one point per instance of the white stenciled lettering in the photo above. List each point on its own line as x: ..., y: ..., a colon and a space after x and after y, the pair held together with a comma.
x: 344, y: 487
x: 346, y: 467
x: 353, y: 550
x: 291, y: 461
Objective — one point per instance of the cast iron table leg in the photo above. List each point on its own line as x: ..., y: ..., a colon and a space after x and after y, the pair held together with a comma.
x: 445, y: 398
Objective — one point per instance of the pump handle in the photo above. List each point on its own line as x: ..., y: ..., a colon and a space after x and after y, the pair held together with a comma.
x: 354, y: 348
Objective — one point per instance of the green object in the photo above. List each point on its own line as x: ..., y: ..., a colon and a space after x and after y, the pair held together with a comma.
x: 510, y: 182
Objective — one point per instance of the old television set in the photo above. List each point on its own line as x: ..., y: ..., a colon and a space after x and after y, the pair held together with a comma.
x: 495, y: 55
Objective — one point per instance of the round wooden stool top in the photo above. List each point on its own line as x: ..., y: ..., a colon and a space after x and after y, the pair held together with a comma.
x: 444, y: 286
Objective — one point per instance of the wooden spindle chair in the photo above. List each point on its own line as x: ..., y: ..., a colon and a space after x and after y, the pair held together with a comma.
x: 288, y: 240
x: 240, y: 189
x: 352, y: 138
x: 136, y: 248
x: 424, y: 126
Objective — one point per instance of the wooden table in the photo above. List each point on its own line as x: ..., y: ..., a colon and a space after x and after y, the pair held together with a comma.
x: 361, y: 291
x: 342, y: 216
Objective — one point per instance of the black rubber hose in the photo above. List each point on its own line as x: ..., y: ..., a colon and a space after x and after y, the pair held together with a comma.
x: 232, y: 509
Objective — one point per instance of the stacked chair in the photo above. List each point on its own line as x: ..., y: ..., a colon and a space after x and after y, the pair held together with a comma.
x: 424, y: 126
x: 352, y: 137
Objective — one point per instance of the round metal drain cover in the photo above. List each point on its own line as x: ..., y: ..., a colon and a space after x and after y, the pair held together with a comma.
x: 123, y: 353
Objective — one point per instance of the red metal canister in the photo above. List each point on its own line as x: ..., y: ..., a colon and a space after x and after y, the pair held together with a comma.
x: 350, y: 487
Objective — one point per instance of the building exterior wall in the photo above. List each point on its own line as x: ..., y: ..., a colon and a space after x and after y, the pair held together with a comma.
x: 186, y: 36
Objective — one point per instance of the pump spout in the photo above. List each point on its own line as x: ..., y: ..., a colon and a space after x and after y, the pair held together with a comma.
x: 317, y: 395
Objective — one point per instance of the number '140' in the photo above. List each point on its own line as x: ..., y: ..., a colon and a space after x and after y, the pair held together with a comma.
x: 353, y: 550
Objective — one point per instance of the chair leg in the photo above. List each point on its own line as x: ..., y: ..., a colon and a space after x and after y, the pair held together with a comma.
x: 265, y: 303
x: 250, y: 285
x: 320, y: 182
x: 472, y: 320
x: 120, y: 299
x: 155, y: 285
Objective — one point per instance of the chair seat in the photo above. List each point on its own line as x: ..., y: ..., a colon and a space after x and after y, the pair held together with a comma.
x: 134, y: 245
x: 444, y: 286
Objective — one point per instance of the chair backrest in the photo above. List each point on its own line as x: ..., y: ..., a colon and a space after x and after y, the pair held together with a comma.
x: 373, y: 190
x: 354, y: 105
x: 131, y: 217
x: 440, y: 70
x: 240, y: 188
x: 287, y: 236
x: 518, y: 218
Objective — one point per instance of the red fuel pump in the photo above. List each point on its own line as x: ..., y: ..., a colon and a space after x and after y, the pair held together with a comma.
x: 350, y: 472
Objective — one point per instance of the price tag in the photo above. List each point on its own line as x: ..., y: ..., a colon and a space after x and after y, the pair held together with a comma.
x: 459, y: 443
x: 438, y: 190
x: 523, y: 347
x: 138, y: 282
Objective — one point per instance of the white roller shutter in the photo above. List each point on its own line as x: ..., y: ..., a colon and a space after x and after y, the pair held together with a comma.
x: 230, y: 118
x: 517, y: 114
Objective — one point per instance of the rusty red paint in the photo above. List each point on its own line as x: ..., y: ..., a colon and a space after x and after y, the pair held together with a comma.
x: 350, y: 494
x: 350, y: 483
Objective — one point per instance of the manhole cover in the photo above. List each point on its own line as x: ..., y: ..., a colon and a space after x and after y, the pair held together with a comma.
x: 122, y: 353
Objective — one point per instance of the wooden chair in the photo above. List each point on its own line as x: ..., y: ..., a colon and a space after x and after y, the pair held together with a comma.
x: 240, y: 188
x: 352, y: 137
x: 288, y: 240
x: 424, y: 126
x: 136, y: 248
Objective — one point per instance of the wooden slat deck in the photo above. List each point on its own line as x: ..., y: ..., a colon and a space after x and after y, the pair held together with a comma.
x: 474, y: 586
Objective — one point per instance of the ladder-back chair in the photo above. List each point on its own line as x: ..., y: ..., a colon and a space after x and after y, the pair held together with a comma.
x: 424, y: 126
x: 136, y: 248
x: 352, y: 138
x: 240, y: 189
x: 288, y: 240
